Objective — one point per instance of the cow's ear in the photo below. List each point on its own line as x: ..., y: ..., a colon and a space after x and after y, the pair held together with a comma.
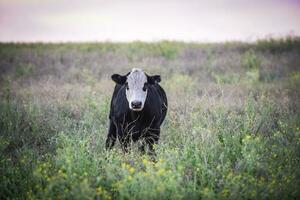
x: 153, y: 79
x: 119, y: 79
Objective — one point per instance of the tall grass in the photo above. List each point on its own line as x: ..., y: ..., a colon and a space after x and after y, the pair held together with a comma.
x: 222, y: 139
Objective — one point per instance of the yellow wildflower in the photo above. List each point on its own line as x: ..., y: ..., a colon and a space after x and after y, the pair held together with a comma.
x: 129, y: 178
x: 131, y: 170
x: 161, y: 172
x: 145, y: 161
x: 99, y: 190
x: 248, y: 137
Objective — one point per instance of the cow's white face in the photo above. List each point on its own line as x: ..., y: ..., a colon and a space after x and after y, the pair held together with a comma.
x: 136, y: 83
x: 136, y: 89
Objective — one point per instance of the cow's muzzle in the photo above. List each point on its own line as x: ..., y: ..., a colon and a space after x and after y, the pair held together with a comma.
x: 136, y: 105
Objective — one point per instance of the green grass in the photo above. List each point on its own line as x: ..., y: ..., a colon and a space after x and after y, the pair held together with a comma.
x: 228, y: 134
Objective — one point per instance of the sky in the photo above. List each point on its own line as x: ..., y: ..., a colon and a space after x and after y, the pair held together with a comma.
x: 147, y: 20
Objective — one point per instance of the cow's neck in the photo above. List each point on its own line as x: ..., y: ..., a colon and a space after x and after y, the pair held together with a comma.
x: 135, y: 114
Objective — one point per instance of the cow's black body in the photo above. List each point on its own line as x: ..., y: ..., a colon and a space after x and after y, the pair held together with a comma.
x: 128, y: 125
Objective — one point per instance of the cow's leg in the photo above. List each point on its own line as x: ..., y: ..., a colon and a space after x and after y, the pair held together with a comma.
x: 126, y: 141
x: 112, y: 136
x: 125, y: 144
x: 143, y: 146
x: 152, y: 139
x: 123, y: 137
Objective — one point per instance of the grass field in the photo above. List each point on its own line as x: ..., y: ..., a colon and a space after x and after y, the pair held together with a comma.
x: 232, y: 130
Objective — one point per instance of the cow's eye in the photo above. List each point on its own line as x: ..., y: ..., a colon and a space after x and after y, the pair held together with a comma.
x: 145, y: 87
x: 126, y: 85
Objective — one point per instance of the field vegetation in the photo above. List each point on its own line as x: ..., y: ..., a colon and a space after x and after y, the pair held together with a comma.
x: 232, y: 130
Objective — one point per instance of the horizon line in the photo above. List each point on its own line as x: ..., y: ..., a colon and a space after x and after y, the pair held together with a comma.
x: 151, y: 41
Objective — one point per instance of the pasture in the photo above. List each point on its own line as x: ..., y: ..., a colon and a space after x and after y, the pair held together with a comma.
x: 232, y: 129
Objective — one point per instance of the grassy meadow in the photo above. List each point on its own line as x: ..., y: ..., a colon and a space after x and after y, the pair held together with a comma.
x: 232, y: 130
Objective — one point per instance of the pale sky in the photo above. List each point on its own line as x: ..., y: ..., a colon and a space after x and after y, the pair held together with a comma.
x: 147, y: 20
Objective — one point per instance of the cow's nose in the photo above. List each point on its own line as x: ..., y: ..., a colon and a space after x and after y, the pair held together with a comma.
x: 136, y: 104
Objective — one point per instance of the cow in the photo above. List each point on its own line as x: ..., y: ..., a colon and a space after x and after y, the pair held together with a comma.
x: 137, y: 110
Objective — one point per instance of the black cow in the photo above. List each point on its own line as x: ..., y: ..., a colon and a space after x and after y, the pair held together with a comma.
x: 138, y: 108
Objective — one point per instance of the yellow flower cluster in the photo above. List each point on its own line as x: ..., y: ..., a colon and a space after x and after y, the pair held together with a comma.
x: 160, y: 172
x: 145, y: 161
x: 128, y: 167
x: 103, y: 193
